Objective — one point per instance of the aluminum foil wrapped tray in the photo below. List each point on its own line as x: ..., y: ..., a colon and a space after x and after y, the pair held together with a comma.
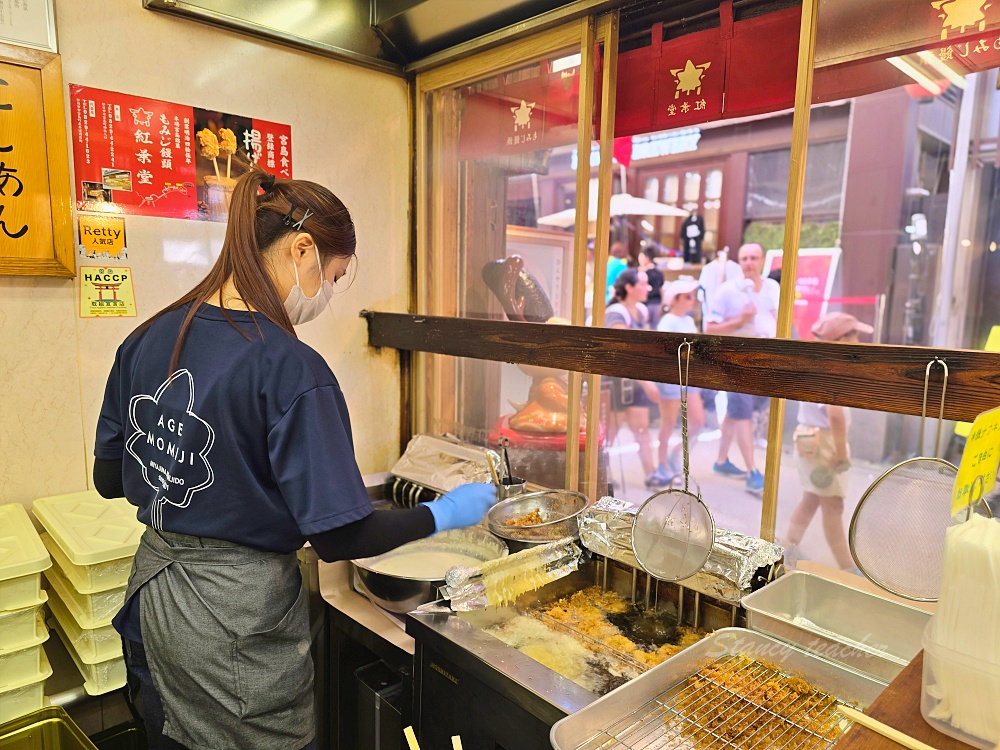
x: 442, y: 464
x: 606, y: 528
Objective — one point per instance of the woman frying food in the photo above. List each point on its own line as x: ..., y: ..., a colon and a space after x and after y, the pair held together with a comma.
x: 232, y: 439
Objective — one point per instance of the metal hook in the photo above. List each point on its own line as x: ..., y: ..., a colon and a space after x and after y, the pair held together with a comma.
x: 683, y: 377
x: 923, y: 408
x: 973, y: 497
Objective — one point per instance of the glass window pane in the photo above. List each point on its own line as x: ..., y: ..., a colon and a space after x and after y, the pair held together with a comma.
x: 692, y: 189
x: 652, y: 189
x: 525, y: 404
x: 713, y: 185
x: 505, y: 181
x: 671, y: 188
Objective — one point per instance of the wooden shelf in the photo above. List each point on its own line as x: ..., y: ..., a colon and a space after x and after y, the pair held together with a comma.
x: 865, y: 376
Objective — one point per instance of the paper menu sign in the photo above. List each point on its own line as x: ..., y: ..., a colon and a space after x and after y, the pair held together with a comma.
x: 980, y: 461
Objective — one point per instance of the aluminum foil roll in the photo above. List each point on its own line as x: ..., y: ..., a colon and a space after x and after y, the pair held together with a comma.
x: 606, y: 528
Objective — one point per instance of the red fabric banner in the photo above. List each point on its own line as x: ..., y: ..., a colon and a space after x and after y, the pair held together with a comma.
x: 525, y: 110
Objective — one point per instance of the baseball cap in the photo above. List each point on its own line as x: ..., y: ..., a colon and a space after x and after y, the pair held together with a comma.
x: 681, y: 285
x: 835, y: 325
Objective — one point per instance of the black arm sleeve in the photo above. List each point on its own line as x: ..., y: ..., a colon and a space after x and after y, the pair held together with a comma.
x: 108, y: 478
x: 374, y: 534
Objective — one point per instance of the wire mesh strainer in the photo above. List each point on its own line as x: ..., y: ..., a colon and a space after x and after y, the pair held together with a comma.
x: 673, y: 531
x: 898, y: 530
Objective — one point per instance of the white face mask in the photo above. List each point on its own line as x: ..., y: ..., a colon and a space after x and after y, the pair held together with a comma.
x: 300, y: 308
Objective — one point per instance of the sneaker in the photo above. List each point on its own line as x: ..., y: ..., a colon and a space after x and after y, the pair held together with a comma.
x: 755, y: 482
x: 729, y: 469
x: 675, y: 463
x: 660, y: 478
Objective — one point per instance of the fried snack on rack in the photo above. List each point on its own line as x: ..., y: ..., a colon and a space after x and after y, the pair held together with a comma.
x: 208, y: 143
x: 531, y: 519
x: 746, y: 703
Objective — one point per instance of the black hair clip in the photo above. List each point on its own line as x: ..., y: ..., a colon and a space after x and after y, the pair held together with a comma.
x: 288, y: 219
x: 267, y: 184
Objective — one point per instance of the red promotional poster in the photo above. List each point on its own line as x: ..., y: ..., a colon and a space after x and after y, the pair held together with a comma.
x: 815, y: 274
x: 143, y: 156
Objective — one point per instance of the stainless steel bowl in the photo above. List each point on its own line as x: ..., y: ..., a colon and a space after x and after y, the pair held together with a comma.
x: 402, y: 594
x: 560, y: 511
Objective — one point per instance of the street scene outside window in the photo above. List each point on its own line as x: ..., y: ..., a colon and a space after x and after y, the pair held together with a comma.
x: 899, y: 237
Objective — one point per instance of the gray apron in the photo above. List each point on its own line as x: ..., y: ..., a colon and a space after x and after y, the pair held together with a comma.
x: 226, y: 634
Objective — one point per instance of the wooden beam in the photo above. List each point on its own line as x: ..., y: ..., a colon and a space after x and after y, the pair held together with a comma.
x: 863, y: 376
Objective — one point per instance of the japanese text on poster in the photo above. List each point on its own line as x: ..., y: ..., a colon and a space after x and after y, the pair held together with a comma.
x: 106, y: 292
x: 980, y: 461
x: 144, y: 156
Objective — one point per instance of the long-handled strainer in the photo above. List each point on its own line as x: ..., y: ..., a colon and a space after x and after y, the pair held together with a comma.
x: 673, y: 531
x: 898, y: 530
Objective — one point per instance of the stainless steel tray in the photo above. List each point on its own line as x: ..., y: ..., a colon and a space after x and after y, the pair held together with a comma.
x: 864, y: 631
x: 636, y: 715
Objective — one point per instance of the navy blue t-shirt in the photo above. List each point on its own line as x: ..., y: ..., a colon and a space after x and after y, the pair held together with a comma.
x: 246, y: 441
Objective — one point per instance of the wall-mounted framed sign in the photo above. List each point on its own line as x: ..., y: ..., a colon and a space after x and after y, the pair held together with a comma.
x: 31, y: 23
x: 36, y: 224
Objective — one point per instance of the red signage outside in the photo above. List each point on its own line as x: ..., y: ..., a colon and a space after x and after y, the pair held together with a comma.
x: 816, y: 271
x: 136, y: 155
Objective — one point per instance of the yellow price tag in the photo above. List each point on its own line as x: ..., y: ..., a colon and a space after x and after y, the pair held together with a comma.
x: 980, y: 461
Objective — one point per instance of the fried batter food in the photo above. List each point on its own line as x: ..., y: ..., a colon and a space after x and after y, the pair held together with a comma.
x: 208, y: 143
x: 586, y: 612
x: 748, y: 703
x: 227, y: 142
x: 531, y: 519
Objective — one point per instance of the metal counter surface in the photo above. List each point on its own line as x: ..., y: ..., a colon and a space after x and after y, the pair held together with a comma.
x: 358, y: 617
x: 537, y: 689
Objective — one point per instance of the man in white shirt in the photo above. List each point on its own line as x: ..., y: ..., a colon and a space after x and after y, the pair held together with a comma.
x: 743, y: 307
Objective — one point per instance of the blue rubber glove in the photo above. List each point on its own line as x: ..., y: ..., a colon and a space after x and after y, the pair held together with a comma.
x: 463, y: 506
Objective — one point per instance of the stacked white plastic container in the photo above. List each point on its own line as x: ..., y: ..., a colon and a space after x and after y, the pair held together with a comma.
x: 92, y: 542
x: 23, y: 666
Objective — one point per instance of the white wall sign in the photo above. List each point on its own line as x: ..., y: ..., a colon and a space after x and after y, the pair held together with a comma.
x: 29, y: 23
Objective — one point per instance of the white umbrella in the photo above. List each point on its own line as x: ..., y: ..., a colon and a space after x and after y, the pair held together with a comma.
x: 622, y: 204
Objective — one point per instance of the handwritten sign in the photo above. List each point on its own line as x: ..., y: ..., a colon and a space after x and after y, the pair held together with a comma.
x: 106, y: 292
x: 980, y: 461
x: 22, y: 167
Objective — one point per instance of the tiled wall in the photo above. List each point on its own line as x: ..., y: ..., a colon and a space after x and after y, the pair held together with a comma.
x: 349, y: 132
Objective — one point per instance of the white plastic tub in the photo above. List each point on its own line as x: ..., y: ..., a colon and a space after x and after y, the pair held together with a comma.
x: 21, y: 627
x: 23, y: 698
x: 90, y: 610
x: 22, y: 663
x: 100, y: 677
x: 91, y: 531
x: 975, y: 722
x: 23, y: 560
x: 93, y: 645
x: 89, y: 579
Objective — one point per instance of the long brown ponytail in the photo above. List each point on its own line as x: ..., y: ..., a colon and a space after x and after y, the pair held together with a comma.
x: 256, y: 221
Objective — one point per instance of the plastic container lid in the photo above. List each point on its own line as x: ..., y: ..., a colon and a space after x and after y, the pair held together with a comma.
x: 21, y: 551
x: 89, y: 528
